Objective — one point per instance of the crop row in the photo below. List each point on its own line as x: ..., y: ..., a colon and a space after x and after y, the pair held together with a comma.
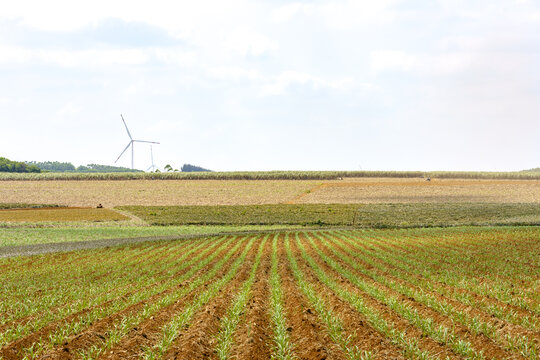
x: 343, y: 294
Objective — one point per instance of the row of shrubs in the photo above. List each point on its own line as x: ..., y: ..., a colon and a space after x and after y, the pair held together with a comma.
x: 270, y: 175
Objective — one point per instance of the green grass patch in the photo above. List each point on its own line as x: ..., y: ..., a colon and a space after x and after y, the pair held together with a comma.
x: 361, y: 215
x: 32, y: 236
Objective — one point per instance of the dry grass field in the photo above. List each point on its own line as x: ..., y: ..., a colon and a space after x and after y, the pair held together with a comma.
x: 112, y: 193
x: 153, y: 192
x: 364, y: 190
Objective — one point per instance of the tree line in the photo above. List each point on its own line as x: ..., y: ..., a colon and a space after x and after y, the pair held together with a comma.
x: 7, y: 165
x: 56, y: 166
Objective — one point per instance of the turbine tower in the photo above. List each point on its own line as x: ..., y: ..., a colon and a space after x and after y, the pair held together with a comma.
x: 131, y: 143
x: 153, y: 167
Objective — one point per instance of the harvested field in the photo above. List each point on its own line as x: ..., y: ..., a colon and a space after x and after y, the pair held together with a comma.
x: 152, y: 192
x: 462, y: 293
x: 60, y: 214
x: 112, y: 193
x: 351, y: 191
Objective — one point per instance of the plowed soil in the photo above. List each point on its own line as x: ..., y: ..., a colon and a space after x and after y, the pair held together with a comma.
x: 310, y: 338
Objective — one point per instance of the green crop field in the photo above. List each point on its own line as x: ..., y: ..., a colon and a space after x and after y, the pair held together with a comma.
x: 460, y: 293
x: 361, y: 215
x: 270, y: 269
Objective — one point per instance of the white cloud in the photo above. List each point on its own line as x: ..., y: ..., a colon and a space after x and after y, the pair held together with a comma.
x: 67, y: 58
x: 248, y: 42
x: 345, y: 14
x: 286, y: 12
x: 175, y: 56
x: 234, y: 73
x: 281, y: 83
x: 66, y: 113
x: 385, y: 60
x: 445, y: 64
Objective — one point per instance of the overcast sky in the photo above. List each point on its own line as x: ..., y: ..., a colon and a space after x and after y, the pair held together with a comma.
x: 269, y: 85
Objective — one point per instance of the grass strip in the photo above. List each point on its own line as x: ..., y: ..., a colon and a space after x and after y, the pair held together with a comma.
x: 17, y: 236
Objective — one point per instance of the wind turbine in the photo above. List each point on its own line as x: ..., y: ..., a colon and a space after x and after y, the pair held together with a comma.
x: 153, y: 167
x: 131, y: 142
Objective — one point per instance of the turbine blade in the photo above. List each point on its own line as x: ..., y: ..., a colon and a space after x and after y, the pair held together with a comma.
x: 129, y: 134
x: 144, y: 141
x: 122, y: 153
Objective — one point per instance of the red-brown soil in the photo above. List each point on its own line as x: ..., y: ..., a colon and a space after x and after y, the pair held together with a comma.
x: 480, y: 342
x: 254, y: 336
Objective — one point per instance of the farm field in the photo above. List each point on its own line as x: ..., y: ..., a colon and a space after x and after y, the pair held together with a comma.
x: 358, y: 215
x: 352, y: 191
x: 16, y: 236
x: 111, y: 193
x: 60, y: 214
x: 458, y: 293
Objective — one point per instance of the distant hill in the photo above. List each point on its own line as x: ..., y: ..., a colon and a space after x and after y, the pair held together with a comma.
x: 55, y: 166
x: 532, y: 170
x: 7, y: 165
x: 192, y: 168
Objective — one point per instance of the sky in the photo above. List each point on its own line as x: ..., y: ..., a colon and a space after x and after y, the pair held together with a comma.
x: 273, y: 85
